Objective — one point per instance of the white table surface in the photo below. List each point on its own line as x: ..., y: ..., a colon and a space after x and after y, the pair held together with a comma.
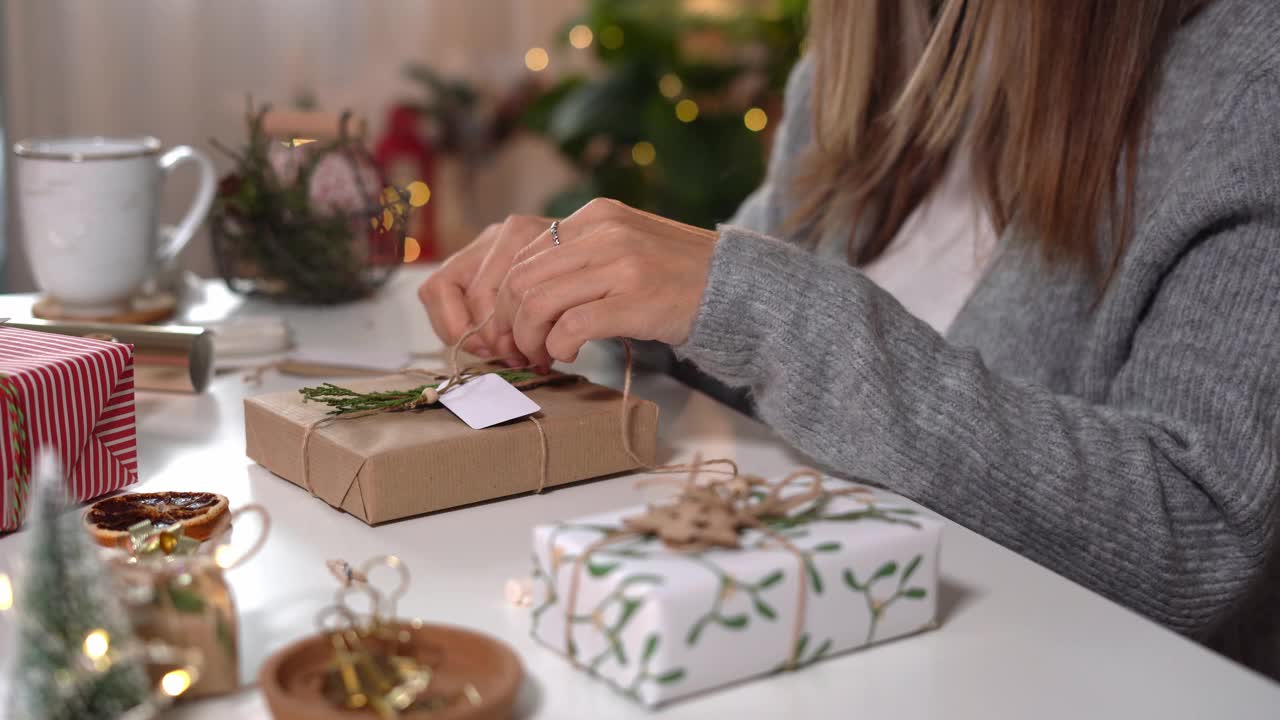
x: 1016, y: 640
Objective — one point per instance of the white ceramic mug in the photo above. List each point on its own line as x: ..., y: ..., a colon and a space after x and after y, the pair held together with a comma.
x: 88, y: 208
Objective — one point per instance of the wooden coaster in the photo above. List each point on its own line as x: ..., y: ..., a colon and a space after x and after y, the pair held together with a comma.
x: 292, y: 678
x: 144, y: 310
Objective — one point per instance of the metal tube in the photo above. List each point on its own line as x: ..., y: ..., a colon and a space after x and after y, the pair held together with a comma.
x: 166, y: 357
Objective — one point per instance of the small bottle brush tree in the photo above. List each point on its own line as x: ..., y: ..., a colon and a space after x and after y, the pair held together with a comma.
x: 76, y: 651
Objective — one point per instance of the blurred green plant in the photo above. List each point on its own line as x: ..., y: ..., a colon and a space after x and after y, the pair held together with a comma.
x: 625, y: 127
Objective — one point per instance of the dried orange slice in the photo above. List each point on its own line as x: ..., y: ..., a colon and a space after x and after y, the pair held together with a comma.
x: 200, y: 513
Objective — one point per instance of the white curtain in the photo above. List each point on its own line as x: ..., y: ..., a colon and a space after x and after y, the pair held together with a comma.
x: 180, y: 70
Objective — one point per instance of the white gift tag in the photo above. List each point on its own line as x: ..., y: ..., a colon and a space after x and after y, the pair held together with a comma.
x: 487, y: 400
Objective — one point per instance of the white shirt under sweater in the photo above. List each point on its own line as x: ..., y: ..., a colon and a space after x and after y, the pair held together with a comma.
x: 938, y: 256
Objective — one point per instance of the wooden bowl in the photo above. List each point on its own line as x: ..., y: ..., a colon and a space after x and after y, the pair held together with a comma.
x: 291, y: 679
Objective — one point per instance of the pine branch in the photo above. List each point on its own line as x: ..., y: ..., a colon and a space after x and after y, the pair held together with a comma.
x: 344, y: 400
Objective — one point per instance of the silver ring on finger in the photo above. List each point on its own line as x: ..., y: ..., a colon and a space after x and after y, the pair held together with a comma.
x: 555, y: 232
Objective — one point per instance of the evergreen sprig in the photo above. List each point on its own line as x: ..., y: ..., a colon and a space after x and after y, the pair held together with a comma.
x: 345, y: 400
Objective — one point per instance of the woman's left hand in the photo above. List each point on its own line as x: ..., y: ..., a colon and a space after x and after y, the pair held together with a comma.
x: 617, y: 272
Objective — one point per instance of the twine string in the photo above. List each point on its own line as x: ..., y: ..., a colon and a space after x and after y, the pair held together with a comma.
x: 731, y: 492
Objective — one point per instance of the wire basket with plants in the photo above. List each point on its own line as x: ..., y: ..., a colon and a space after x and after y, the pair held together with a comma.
x: 305, y: 219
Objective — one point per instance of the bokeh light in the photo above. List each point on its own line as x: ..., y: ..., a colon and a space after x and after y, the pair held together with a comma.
x: 643, y: 153
x: 687, y: 110
x: 611, y: 37
x: 175, y: 682
x: 96, y: 644
x: 224, y: 556
x: 755, y: 119
x: 388, y: 219
x: 670, y: 85
x: 419, y: 193
x: 412, y: 249
x: 6, y: 592
x: 713, y: 8
x: 581, y: 36
x: 536, y: 59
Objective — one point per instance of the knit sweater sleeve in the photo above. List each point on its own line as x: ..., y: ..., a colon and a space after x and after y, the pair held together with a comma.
x: 1162, y: 496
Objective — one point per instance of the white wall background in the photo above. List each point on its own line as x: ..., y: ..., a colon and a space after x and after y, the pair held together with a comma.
x: 180, y: 70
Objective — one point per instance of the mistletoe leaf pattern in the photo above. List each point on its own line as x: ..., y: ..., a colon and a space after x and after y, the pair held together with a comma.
x: 886, y: 570
x: 629, y: 607
x: 671, y: 676
x: 851, y: 580
x: 815, y: 579
x: 876, y: 608
x: 911, y: 568
x: 800, y: 645
x: 725, y: 612
x: 771, y: 579
x: 766, y: 610
x: 601, y: 569
x: 822, y: 650
x: 650, y: 647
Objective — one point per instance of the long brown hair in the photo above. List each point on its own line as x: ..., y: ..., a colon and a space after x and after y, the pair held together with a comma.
x: 1050, y: 97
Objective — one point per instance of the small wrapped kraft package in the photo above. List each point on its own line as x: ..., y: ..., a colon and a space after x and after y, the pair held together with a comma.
x: 73, y: 396
x: 381, y: 466
x: 178, y: 596
x: 732, y: 580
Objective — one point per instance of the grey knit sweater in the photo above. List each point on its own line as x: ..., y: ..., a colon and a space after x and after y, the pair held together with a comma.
x: 1132, y: 445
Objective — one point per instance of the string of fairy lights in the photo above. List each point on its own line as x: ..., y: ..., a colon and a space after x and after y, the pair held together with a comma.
x: 99, y: 653
x: 537, y: 59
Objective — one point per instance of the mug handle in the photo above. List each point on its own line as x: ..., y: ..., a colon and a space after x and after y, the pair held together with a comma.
x: 185, y: 230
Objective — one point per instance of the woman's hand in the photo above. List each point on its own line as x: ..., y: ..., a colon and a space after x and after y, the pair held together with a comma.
x: 462, y: 292
x: 618, y: 272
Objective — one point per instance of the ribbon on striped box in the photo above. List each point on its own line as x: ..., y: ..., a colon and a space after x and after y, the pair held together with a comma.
x: 70, y: 395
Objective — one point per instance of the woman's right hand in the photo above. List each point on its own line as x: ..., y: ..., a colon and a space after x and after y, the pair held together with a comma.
x: 463, y: 291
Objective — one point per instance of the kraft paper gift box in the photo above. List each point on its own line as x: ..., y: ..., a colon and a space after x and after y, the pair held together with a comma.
x: 398, y: 464
x: 659, y: 624
x: 70, y: 395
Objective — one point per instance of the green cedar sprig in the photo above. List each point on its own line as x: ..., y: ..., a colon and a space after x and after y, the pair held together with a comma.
x: 344, y: 400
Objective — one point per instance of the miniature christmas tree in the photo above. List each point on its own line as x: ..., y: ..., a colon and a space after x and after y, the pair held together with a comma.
x: 77, y: 655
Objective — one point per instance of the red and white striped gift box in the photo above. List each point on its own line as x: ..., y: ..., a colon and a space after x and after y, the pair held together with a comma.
x: 71, y: 395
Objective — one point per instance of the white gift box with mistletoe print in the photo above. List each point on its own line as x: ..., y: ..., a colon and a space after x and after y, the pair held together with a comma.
x: 660, y: 624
